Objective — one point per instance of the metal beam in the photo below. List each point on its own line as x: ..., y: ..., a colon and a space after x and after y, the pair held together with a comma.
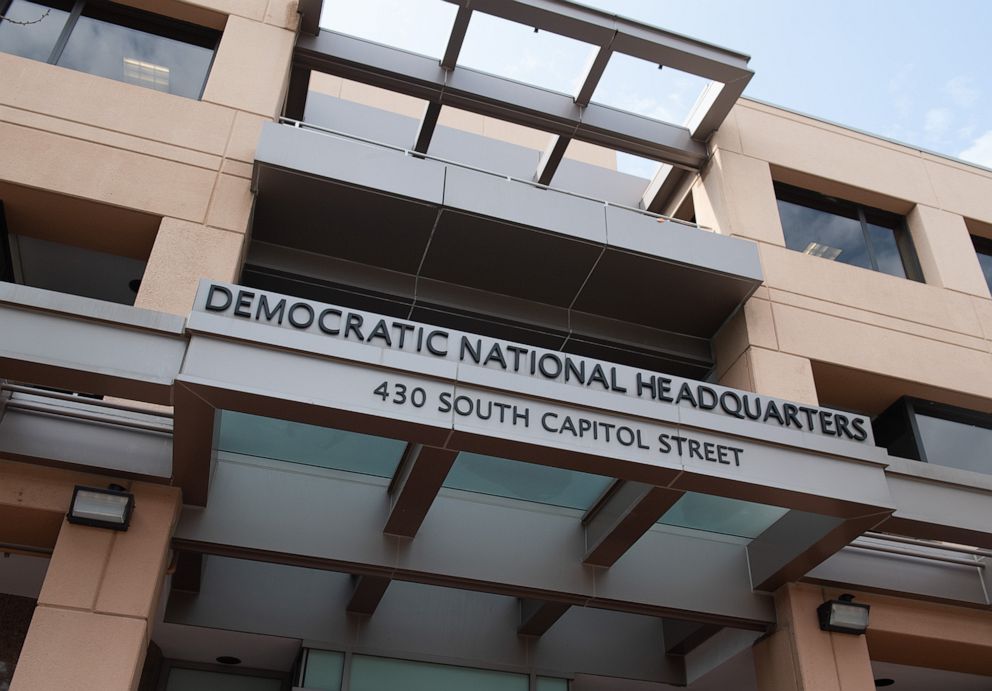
x: 594, y: 72
x: 537, y: 616
x: 417, y: 481
x: 194, y: 450
x: 427, y: 124
x: 682, y: 637
x: 456, y: 37
x: 551, y: 159
x: 310, y: 16
x: 621, y: 518
x: 668, y: 187
x: 296, y: 95
x: 485, y: 94
x: 189, y: 571
x: 367, y: 594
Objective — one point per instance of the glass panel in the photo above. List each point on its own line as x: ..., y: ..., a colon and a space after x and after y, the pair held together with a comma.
x: 638, y: 86
x: 637, y: 165
x: 515, y: 51
x: 137, y: 57
x: 296, y: 442
x: 823, y: 234
x: 551, y: 684
x: 36, y: 40
x: 382, y: 674
x: 198, y: 680
x: 985, y: 261
x: 883, y: 244
x: 956, y: 444
x: 722, y: 515
x: 324, y: 670
x: 419, y: 26
x: 517, y: 480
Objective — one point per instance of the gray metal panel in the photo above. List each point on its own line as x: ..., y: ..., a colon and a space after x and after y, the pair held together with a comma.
x: 599, y: 182
x: 88, y: 345
x: 52, y: 439
x: 903, y: 575
x: 484, y: 152
x: 643, y: 234
x: 337, y: 158
x: 360, y: 120
x: 336, y: 520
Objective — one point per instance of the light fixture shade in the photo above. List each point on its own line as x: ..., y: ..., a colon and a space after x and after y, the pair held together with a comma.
x: 101, y: 508
x: 843, y: 615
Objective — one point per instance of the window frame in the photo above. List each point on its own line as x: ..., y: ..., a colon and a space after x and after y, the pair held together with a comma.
x: 864, y: 215
x: 901, y: 417
x: 983, y: 246
x: 130, y: 18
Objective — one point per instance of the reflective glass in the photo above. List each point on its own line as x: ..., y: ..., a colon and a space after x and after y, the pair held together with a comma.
x: 137, y: 57
x: 956, y: 444
x: 324, y: 669
x: 199, y: 680
x: 296, y: 442
x: 637, y: 165
x: 985, y: 261
x: 824, y: 234
x: 551, y: 684
x: 515, y: 51
x: 383, y: 674
x: 419, y: 26
x: 35, y: 40
x: 722, y: 515
x: 887, y: 255
x: 638, y: 86
x: 517, y: 480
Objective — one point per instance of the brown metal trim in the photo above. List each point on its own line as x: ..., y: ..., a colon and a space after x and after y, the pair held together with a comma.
x: 367, y: 595
x: 536, y: 617
x: 417, y: 481
x: 623, y: 518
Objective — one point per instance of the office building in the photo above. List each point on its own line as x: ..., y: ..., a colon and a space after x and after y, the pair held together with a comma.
x: 333, y: 364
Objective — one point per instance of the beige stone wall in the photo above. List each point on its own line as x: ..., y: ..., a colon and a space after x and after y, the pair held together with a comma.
x: 932, y: 338
x: 186, y: 161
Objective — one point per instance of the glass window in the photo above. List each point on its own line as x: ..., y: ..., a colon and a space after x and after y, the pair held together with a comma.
x: 517, y: 480
x: 957, y: 444
x: 983, y: 248
x: 30, y: 29
x: 383, y: 674
x: 297, y: 442
x: 845, y: 232
x: 323, y: 670
x: 199, y: 680
x: 114, y: 41
x: 721, y: 515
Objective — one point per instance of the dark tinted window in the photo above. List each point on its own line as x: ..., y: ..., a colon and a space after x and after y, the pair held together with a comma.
x: 112, y: 41
x: 983, y: 247
x: 845, y: 232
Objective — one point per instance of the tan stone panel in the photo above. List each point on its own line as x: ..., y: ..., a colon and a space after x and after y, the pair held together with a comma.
x: 82, y: 651
x: 516, y: 134
x: 591, y: 154
x: 867, y: 290
x: 945, y: 250
x: 200, y: 12
x: 773, y: 663
x: 866, y: 317
x: 237, y: 168
x: 83, y: 169
x: 324, y: 83
x: 109, y: 138
x: 886, y: 352
x: 462, y: 120
x: 251, y: 67
x: 183, y: 254
x: 283, y: 13
x: 136, y: 565
x: 738, y: 375
x: 751, y: 326
x: 782, y: 375
x: 38, y: 487
x: 231, y: 204
x: 983, y: 308
x: 384, y: 99
x: 77, y: 565
x: 963, y: 191
x: 79, y: 97
x: 244, y: 136
x: 749, y: 198
x: 830, y: 152
x: 728, y: 137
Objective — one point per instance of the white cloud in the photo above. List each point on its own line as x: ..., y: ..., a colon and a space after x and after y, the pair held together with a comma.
x: 936, y: 121
x: 980, y: 151
x: 962, y: 91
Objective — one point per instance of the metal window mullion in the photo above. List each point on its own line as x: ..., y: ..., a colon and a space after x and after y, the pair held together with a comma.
x: 867, y: 237
x: 70, y: 24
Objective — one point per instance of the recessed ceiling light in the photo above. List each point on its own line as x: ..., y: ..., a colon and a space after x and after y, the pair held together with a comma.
x: 229, y: 660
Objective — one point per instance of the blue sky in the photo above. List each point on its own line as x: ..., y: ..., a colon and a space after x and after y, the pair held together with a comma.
x: 913, y: 70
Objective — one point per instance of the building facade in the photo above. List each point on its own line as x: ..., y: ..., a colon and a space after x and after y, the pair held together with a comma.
x: 399, y: 381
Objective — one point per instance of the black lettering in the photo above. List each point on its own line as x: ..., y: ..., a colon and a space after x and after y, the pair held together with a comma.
x: 791, y: 415
x: 242, y: 307
x: 606, y: 427
x: 640, y: 441
x: 771, y: 410
x: 517, y: 352
x: 544, y: 421
x: 721, y: 454
x: 523, y: 417
x: 679, y: 441
x: 733, y: 410
x: 218, y: 290
x: 664, y: 389
x: 625, y: 435
x: 599, y: 377
x: 445, y: 402
x: 860, y: 434
x: 489, y: 411
x: 353, y: 324
x: 263, y: 309
x: 495, y: 355
x: 474, y: 353
x: 324, y: 327
x: 640, y: 384
x: 756, y: 415
x: 685, y: 393
x: 842, y: 428
x: 737, y: 454
x: 827, y: 423
x: 569, y: 426
x: 694, y: 449
x: 666, y: 446
x: 709, y: 448
x: 578, y: 372
x: 460, y: 403
x: 809, y: 413
x: 402, y: 330
x: 381, y: 331
x: 710, y: 396
x: 614, y: 386
x: 550, y: 373
x: 435, y: 350
x: 301, y: 324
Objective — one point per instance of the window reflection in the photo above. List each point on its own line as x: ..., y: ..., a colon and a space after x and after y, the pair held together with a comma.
x: 35, y: 40
x: 955, y: 444
x: 983, y: 248
x: 814, y: 231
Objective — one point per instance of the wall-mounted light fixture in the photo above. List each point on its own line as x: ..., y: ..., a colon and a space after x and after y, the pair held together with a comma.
x: 843, y: 615
x: 101, y: 508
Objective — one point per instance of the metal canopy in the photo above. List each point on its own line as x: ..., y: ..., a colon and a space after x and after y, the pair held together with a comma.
x: 445, y: 82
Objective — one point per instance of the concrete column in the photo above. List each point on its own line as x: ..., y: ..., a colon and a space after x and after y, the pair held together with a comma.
x: 735, y: 196
x: 92, y: 624
x: 944, y: 248
x: 798, y: 656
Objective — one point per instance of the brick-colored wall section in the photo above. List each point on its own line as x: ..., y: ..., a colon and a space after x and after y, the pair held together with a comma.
x: 92, y: 625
